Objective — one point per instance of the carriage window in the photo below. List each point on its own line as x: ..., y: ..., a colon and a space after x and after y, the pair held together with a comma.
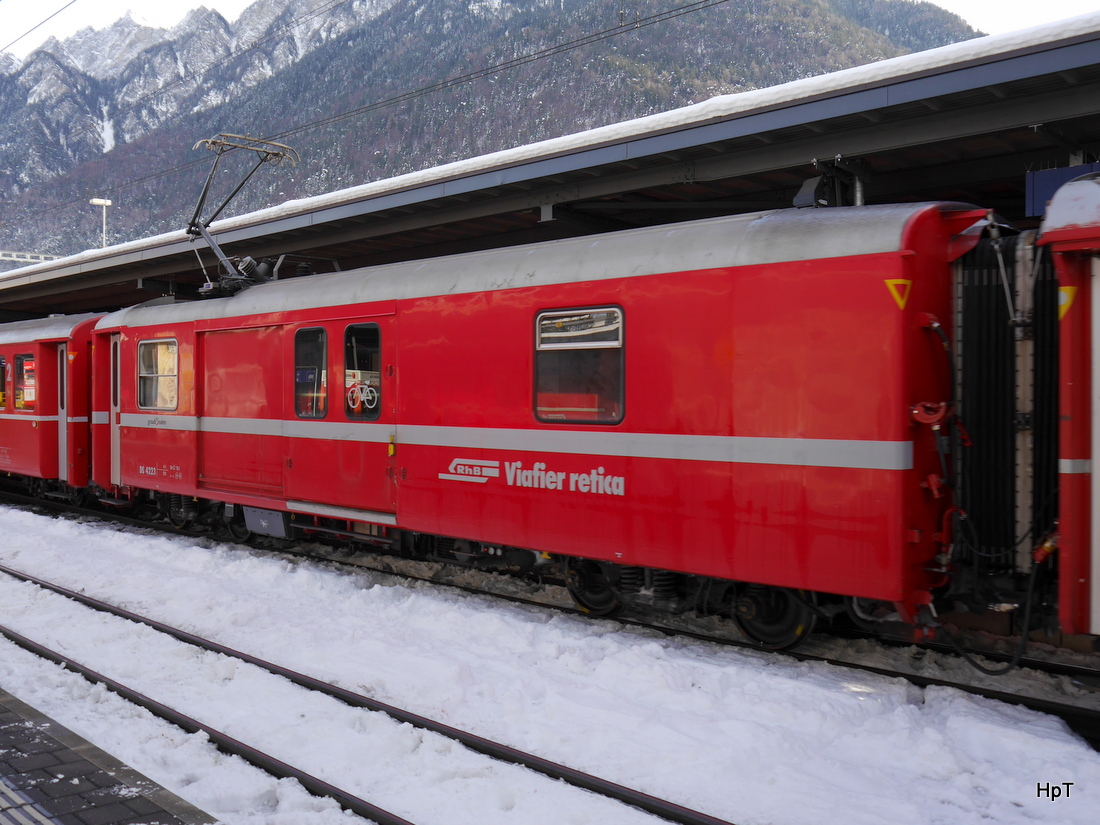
x: 158, y: 375
x: 310, y: 374
x: 114, y: 374
x: 26, y: 383
x: 3, y: 382
x: 62, y: 351
x: 579, y: 366
x: 363, y: 372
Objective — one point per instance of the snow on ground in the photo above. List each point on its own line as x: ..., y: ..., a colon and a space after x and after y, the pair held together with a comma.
x: 748, y: 737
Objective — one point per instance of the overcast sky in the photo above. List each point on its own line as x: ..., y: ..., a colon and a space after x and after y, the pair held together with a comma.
x: 20, y: 16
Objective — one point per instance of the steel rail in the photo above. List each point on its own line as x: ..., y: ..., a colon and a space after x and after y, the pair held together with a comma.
x: 223, y: 741
x: 1085, y: 722
x: 505, y: 753
x: 1049, y: 666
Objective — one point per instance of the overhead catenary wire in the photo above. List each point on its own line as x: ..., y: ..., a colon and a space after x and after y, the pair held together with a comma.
x: 36, y: 27
x: 440, y: 86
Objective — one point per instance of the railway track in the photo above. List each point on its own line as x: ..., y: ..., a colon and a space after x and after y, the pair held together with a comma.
x: 277, y: 767
x: 1083, y: 720
x: 1081, y: 717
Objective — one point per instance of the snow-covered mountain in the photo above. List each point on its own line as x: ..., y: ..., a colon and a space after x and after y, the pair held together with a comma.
x: 105, y: 53
x: 82, y: 96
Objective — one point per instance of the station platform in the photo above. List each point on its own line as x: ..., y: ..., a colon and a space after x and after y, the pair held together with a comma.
x: 48, y: 774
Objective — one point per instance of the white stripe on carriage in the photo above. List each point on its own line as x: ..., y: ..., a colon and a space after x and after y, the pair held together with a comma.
x: 794, y: 452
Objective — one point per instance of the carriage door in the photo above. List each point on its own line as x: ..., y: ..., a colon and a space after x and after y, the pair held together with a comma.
x: 341, y: 450
x: 116, y: 427
x: 241, y: 410
x: 62, y: 412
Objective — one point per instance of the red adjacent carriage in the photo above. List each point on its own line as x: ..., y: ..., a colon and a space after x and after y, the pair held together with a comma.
x: 45, y: 367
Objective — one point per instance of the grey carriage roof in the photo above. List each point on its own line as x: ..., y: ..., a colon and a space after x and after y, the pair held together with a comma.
x: 739, y: 240
x: 42, y: 329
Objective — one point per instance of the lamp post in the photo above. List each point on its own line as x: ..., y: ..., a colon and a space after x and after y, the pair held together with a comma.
x: 104, y: 202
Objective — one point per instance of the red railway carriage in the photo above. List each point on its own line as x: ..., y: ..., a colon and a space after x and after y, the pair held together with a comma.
x: 753, y: 399
x: 44, y: 401
x: 1072, y: 231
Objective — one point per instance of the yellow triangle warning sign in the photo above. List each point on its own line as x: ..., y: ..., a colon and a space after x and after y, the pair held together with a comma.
x: 1066, y: 294
x: 899, y: 288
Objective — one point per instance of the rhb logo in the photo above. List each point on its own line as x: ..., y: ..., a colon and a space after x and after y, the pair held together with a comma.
x: 472, y: 469
x: 538, y: 477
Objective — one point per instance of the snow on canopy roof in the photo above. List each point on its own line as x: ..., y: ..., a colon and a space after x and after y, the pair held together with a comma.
x: 725, y: 107
x: 737, y: 240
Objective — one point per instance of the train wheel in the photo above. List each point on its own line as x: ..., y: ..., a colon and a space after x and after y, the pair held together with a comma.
x: 239, y: 530
x: 78, y: 497
x: 590, y: 588
x: 234, y: 525
x: 774, y: 618
x: 179, y: 519
x: 181, y: 511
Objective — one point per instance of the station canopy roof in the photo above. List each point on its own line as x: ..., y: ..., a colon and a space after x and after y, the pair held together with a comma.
x: 966, y: 122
